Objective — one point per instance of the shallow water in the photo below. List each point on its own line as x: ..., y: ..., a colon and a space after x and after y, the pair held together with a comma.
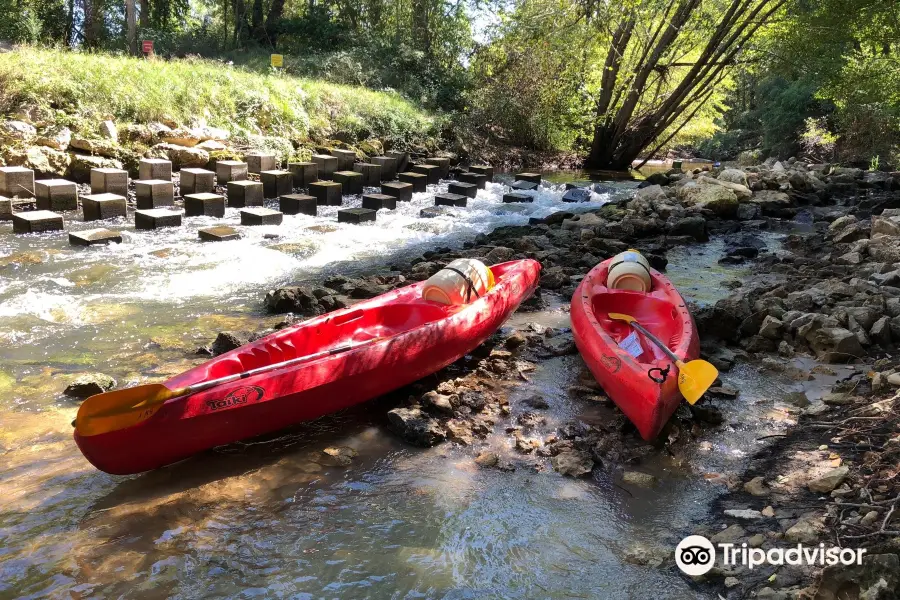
x: 278, y: 517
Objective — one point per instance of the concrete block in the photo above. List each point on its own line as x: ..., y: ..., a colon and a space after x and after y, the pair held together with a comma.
x: 204, y: 205
x: 469, y: 190
x: 450, y: 200
x: 345, y: 159
x: 418, y: 181
x: 371, y: 173
x: 197, y: 181
x: 577, y: 195
x: 379, y: 201
x: 476, y: 178
x: 109, y: 181
x: 442, y: 163
x: 277, y: 183
x: 6, y: 212
x: 430, y: 212
x: 155, y: 218
x: 304, y: 173
x: 231, y: 170
x: 56, y: 194
x: 261, y: 216
x: 432, y: 172
x: 402, y: 159
x: 532, y: 177
x: 571, y: 185
x: 155, y: 168
x: 219, y: 233
x: 351, y: 181
x: 298, y: 204
x: 486, y: 170
x: 356, y: 215
x: 525, y: 186
x: 326, y: 193
x: 517, y: 197
x: 325, y: 165
x: 97, y: 207
x: 16, y: 182
x: 388, y: 167
x: 401, y: 191
x: 94, y: 237
x: 245, y: 193
x: 257, y: 162
x: 154, y: 193
x: 37, y: 221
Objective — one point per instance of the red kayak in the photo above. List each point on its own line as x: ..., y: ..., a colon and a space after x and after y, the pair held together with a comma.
x: 395, y: 339
x: 633, y: 371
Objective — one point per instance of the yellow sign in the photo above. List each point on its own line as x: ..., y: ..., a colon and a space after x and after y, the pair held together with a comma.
x: 277, y: 60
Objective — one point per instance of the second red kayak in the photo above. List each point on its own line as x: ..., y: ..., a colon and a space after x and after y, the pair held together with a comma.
x: 395, y: 339
x: 636, y: 374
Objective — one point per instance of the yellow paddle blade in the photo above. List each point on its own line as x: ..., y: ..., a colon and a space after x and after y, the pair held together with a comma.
x: 622, y: 317
x: 119, y: 409
x: 694, y: 378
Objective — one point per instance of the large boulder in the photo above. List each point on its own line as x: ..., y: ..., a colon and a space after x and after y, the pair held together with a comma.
x: 733, y: 176
x: 45, y: 161
x: 694, y: 227
x: 416, y: 426
x: 742, y: 192
x: 889, y: 226
x: 180, y: 156
x: 884, y: 249
x: 771, y: 202
x: 295, y: 299
x: 705, y: 194
x: 81, y: 165
x: 55, y: 137
x: 12, y: 132
x: 181, y: 136
x: 89, y: 384
x: 835, y: 344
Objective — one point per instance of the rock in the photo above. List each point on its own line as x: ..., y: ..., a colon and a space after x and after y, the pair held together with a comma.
x: 731, y: 582
x: 225, y: 342
x: 884, y: 249
x: 747, y: 514
x: 656, y: 179
x: 561, y: 345
x: 572, y: 463
x: 582, y: 221
x: 537, y: 402
x: 869, y: 518
x: 181, y: 157
x: 756, y: 487
x: 181, y: 136
x: 80, y: 166
x: 829, y: 480
x: 771, y: 202
x: 877, y: 578
x: 297, y: 299
x: 342, y: 455
x: 719, y: 199
x: 55, y: 137
x: 730, y: 534
x: 438, y: 403
x: 805, y: 531
x: 89, y: 384
x: 553, y: 278
x: 499, y: 255
x: 44, y: 160
x: 733, y: 176
x: 894, y: 379
x: 415, y: 427
x: 707, y: 414
x: 12, y: 132
x: 797, y: 399
x: 771, y: 328
x: 487, y: 459
x: 768, y: 512
x: 694, y: 227
x: 460, y: 432
x: 889, y: 226
x: 639, y: 479
x: 516, y: 340
x: 835, y: 344
x: 108, y: 131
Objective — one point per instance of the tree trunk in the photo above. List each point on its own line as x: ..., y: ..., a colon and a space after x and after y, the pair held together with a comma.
x: 131, y: 26
x: 276, y: 11
x: 92, y: 22
x: 145, y: 14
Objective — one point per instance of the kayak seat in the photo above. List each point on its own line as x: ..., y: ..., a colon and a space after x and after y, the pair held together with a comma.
x: 658, y: 316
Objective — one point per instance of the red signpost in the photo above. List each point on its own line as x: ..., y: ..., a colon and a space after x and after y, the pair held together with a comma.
x: 147, y: 47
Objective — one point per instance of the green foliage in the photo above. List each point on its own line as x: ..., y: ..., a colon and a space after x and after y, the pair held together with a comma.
x: 136, y: 90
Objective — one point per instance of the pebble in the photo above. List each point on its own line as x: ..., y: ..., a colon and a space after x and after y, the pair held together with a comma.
x: 756, y: 487
x: 747, y: 514
x: 639, y: 479
x: 768, y: 512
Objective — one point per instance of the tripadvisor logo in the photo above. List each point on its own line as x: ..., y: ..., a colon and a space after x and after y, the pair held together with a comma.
x: 695, y: 555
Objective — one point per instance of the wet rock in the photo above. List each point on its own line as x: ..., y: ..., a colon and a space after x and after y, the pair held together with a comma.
x: 573, y: 463
x: 805, y: 531
x: 768, y: 512
x: 694, y: 227
x: 756, y: 487
x: 499, y: 255
x: 561, y: 345
x: 342, y: 455
x: 707, y: 414
x: 641, y: 554
x: 797, y: 399
x: 487, y: 459
x: 771, y: 203
x: 298, y: 300
x: 537, y: 402
x: 527, y: 445
x: 835, y: 344
x: 460, y: 431
x: 881, y: 332
x: 415, y: 426
x: 437, y: 403
x: 722, y: 391
x: 829, y: 480
x: 746, y: 514
x: 89, y: 384
x: 730, y: 534
x: 771, y: 328
x: 516, y: 340
x: 639, y: 479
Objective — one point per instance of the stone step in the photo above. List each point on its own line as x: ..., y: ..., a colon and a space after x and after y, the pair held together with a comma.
x: 109, y: 181
x: 6, y: 210
x: 155, y: 168
x: 486, y: 170
x: 401, y: 191
x: 261, y: 216
x: 154, y: 193
x: 37, y: 221
x: 432, y: 172
x: 231, y: 170
x: 379, y: 201
x: 345, y: 159
x: 204, y: 205
x: 476, y: 178
x: 245, y: 193
x: 402, y: 159
x: 16, y: 182
x: 56, y: 194
x: 532, y: 177
x: 450, y: 200
x: 94, y: 237
x: 99, y: 207
x: 418, y: 181
x: 155, y: 218
x: 356, y: 215
x: 522, y: 185
x: 257, y: 162
x: 351, y: 182
x: 298, y: 204
x: 430, y: 212
x: 276, y: 183
x: 304, y: 173
x: 388, y: 166
x: 371, y: 173
x: 577, y: 195
x: 197, y: 181
x: 517, y: 197
x: 326, y: 165
x: 326, y: 193
x: 442, y: 163
x: 470, y: 190
x: 219, y: 233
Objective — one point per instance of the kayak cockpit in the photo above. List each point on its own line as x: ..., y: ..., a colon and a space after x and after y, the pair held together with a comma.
x: 657, y: 315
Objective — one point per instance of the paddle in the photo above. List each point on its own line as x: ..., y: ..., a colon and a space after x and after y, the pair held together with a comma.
x: 694, y: 377
x: 111, y: 411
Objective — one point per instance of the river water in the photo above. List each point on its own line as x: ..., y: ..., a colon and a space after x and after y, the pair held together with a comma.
x: 279, y: 517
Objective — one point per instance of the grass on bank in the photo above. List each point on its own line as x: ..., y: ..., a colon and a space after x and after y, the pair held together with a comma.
x: 137, y: 90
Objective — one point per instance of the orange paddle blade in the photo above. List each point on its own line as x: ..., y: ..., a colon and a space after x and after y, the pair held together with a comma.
x: 119, y: 409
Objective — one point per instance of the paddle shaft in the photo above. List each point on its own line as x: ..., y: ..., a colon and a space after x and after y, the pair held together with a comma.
x: 659, y: 343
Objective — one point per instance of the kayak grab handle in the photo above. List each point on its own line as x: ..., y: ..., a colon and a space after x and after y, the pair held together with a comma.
x: 663, y: 374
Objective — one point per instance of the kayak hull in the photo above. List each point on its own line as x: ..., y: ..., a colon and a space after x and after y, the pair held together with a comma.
x: 394, y: 339
x: 626, y: 378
